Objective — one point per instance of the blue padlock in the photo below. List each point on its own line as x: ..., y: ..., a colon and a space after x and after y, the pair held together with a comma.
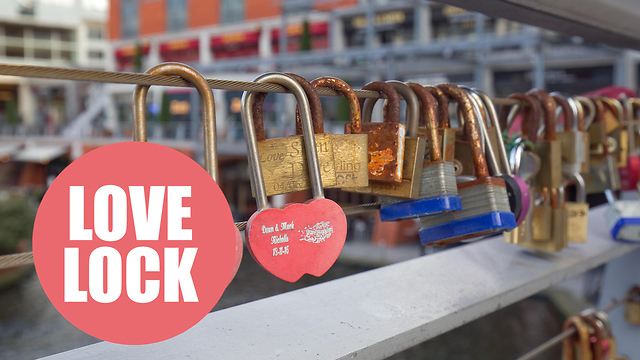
x: 485, y: 205
x: 623, y: 217
x: 438, y: 191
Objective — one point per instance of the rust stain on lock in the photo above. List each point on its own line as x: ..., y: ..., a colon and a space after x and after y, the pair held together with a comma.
x: 549, y: 149
x: 384, y: 137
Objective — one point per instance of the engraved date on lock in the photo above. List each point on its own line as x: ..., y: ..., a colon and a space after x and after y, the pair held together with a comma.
x: 282, y: 250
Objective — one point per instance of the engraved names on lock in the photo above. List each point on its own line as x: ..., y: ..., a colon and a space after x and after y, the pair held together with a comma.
x: 279, y: 238
x: 284, y: 164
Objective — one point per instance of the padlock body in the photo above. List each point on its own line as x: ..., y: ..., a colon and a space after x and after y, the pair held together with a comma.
x: 409, y: 186
x: 550, y: 174
x: 350, y: 152
x: 386, y: 147
x: 586, y: 141
x: 624, y: 221
x: 284, y: 164
x: 438, y: 193
x: 523, y: 235
x: 485, y: 211
x: 577, y: 220
x: 571, y: 144
x: 542, y: 222
x: 632, y: 312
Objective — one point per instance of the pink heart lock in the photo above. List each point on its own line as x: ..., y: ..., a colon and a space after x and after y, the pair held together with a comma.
x: 238, y: 258
x: 296, y: 239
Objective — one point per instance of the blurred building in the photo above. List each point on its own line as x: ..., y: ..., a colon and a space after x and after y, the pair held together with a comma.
x: 64, y: 33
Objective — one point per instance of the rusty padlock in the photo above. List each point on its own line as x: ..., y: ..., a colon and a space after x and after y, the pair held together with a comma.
x: 386, y: 139
x: 409, y: 186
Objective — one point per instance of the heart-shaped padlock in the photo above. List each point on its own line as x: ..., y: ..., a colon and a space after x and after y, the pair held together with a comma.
x: 297, y: 239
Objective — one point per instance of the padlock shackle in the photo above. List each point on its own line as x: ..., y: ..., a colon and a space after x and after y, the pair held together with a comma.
x: 471, y: 128
x: 481, y: 115
x: 548, y: 111
x: 412, y: 116
x: 391, y: 108
x: 428, y: 106
x: 252, y: 142
x: 615, y: 106
x: 581, y: 337
x: 600, y: 119
x: 443, y: 107
x: 590, y: 108
x: 345, y: 90
x: 493, y: 117
x: 598, y: 332
x: 530, y: 121
x: 314, y: 103
x: 581, y: 188
x: 208, y: 110
x: 569, y: 111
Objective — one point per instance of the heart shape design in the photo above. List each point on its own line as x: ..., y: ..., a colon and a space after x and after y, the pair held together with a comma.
x: 297, y: 239
x: 238, y: 258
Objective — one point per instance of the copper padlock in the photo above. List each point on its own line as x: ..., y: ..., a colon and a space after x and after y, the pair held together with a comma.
x: 409, y: 186
x: 386, y: 139
x: 446, y: 135
x: 284, y: 160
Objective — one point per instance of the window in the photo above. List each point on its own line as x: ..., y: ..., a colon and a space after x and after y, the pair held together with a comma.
x: 231, y: 11
x: 176, y: 14
x: 129, y: 18
x: 95, y: 54
x: 96, y: 33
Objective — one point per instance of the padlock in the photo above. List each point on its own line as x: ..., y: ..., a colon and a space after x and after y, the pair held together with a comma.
x: 299, y: 238
x: 603, y: 173
x: 571, y: 139
x: 208, y: 124
x: 349, y: 150
x: 630, y: 174
x: 409, y: 186
x: 586, y: 115
x: 597, y: 340
x: 577, y: 212
x: 632, y: 306
x: 517, y: 189
x: 623, y: 217
x: 438, y: 191
x: 609, y: 347
x: 617, y: 135
x: 548, y: 148
x: 446, y: 135
x: 579, y: 343
x: 283, y: 160
x: 386, y: 139
x: 485, y: 206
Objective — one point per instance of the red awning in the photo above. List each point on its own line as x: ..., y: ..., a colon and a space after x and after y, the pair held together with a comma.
x: 179, y: 45
x: 293, y: 31
x: 237, y: 39
x: 130, y: 51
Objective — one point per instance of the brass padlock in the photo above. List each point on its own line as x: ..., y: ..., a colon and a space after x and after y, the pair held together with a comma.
x: 603, y: 172
x: 586, y: 115
x: 577, y: 212
x: 349, y: 150
x: 284, y: 160
x: 617, y: 135
x: 579, y: 343
x: 548, y: 148
x: 386, y: 139
x: 572, y: 138
x: 409, y: 187
x: 632, y: 306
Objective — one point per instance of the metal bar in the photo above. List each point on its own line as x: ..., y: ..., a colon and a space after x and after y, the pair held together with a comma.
x: 375, y: 314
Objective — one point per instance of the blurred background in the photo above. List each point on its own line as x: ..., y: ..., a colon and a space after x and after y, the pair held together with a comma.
x: 45, y: 124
